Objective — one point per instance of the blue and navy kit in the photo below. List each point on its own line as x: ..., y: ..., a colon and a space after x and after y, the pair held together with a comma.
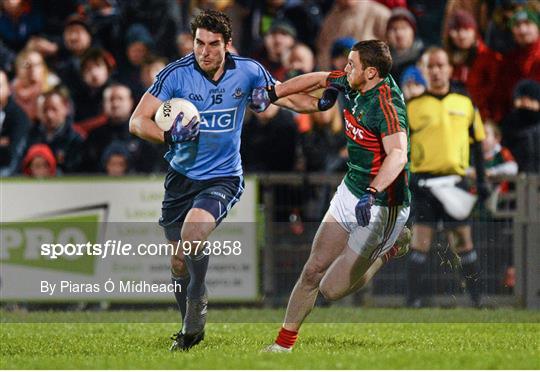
x: 222, y: 105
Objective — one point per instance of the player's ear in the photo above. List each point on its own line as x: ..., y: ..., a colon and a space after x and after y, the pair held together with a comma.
x: 372, y: 72
x: 229, y: 46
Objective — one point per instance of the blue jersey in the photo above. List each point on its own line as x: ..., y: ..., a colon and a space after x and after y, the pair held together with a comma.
x: 222, y: 105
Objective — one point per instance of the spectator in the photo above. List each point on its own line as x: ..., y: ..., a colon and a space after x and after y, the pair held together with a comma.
x: 474, y: 64
x: 441, y: 123
x: 405, y: 47
x: 97, y: 66
x: 340, y: 52
x: 161, y: 17
x: 498, y: 34
x: 278, y: 43
x: 269, y: 141
x: 478, y: 10
x: 115, y: 159
x: 118, y: 106
x: 149, y: 69
x: 32, y: 78
x: 18, y: 21
x: 106, y: 23
x: 412, y: 83
x: 77, y: 36
x: 521, y: 128
x: 362, y: 20
x: 429, y: 19
x: 39, y: 162
x: 498, y: 160
x: 14, y: 129
x: 55, y: 129
x: 523, y: 62
x: 184, y: 44
x: 301, y: 60
x: 77, y: 41
x: 304, y: 16
x: 139, y: 44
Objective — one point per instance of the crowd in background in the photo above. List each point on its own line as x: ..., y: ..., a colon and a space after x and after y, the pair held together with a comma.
x: 71, y: 72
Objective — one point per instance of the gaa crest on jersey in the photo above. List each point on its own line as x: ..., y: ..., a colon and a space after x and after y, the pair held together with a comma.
x: 238, y: 93
x: 195, y: 97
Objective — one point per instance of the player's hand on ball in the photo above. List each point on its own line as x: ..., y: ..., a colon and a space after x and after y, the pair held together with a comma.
x: 329, y: 97
x: 363, y: 208
x: 182, y: 133
x: 260, y: 100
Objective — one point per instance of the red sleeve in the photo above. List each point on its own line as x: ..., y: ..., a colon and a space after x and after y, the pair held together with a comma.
x: 506, y: 155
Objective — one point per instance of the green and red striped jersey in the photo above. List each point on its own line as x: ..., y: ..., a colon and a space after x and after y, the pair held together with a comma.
x: 369, y: 117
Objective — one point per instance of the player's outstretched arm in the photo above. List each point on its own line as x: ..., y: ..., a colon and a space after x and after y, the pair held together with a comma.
x: 141, y: 123
x: 395, y: 147
x: 295, y: 94
x: 301, y: 84
x: 300, y: 102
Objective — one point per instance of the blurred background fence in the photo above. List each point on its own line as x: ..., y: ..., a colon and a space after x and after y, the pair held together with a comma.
x: 507, y: 239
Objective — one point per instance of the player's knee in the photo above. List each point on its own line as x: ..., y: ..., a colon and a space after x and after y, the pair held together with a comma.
x: 178, y: 266
x: 329, y: 293
x: 194, y: 232
x: 312, y: 275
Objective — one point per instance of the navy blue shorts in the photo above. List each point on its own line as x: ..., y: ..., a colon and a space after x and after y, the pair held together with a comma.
x: 216, y: 195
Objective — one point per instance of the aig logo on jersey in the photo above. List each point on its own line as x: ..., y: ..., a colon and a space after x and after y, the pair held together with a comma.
x: 218, y: 120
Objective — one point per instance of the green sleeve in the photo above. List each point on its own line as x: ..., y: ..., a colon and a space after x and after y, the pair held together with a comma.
x: 338, y: 78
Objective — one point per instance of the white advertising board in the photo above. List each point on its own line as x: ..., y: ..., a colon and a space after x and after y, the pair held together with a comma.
x: 40, y: 217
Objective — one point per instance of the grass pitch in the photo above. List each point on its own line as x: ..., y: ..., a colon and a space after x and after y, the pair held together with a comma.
x: 415, y: 339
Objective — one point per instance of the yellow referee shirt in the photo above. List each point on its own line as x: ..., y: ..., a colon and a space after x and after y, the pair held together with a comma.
x: 442, y: 129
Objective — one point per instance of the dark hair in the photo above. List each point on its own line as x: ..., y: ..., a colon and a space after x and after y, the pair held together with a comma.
x: 98, y: 55
x: 374, y: 53
x: 213, y: 21
x: 151, y: 59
